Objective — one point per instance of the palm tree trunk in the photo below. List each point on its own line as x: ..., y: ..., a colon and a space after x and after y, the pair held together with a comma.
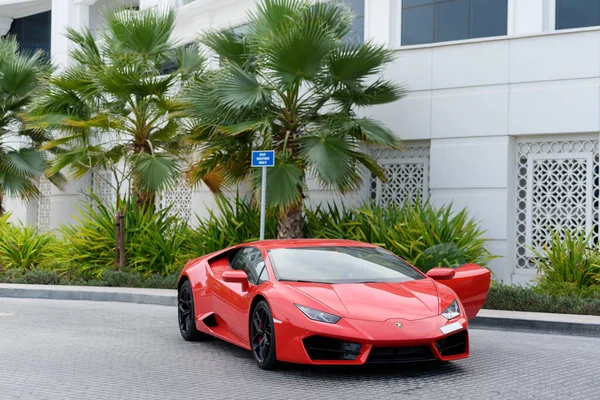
x: 1, y: 203
x: 290, y: 224
x: 145, y: 199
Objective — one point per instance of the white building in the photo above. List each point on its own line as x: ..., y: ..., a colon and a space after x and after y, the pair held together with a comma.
x: 502, y: 115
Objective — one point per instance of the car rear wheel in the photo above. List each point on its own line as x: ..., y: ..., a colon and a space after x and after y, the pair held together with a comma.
x: 262, y: 336
x: 186, y: 315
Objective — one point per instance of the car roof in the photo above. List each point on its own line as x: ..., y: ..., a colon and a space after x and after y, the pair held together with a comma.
x: 287, y: 243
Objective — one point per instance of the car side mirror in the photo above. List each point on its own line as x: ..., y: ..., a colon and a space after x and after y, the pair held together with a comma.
x: 441, y: 274
x: 236, y: 277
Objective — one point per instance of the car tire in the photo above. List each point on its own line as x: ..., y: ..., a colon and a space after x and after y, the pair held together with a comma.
x: 262, y: 337
x: 186, y: 314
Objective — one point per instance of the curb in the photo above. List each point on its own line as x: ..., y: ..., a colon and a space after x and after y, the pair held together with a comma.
x: 555, y: 324
x: 558, y: 324
x: 161, y: 297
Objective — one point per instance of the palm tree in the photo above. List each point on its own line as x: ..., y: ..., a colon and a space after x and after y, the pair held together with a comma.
x: 21, y: 161
x: 292, y: 83
x: 116, y: 107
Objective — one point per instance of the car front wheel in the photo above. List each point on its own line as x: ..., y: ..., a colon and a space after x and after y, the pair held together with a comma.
x: 262, y: 336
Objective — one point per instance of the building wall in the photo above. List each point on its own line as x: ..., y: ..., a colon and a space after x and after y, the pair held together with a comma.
x: 479, y: 116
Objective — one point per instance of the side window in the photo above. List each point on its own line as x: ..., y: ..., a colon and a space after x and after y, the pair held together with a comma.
x: 251, y: 261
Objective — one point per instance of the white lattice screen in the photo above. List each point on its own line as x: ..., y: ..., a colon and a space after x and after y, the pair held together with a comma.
x: 45, y: 205
x: 557, y: 187
x: 407, y: 173
x: 102, y: 187
x: 180, y: 200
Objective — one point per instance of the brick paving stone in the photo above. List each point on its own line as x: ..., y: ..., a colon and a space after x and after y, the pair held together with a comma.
x: 55, y: 349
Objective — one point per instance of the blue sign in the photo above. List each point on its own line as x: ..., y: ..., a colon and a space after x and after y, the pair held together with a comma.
x: 263, y: 158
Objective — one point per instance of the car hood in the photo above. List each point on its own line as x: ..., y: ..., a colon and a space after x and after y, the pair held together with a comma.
x: 375, y: 301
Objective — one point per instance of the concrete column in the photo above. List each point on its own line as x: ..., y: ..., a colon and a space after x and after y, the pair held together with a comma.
x: 67, y: 13
x: 528, y: 16
x: 74, y: 14
x: 475, y: 173
x: 378, y: 21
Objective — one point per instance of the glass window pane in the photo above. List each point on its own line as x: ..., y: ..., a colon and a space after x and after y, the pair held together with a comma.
x: 417, y: 25
x: 488, y: 18
x: 412, y: 3
x: 357, y: 6
x: 33, y: 32
x: 452, y: 21
x: 340, y: 265
x: 577, y: 13
x: 357, y: 34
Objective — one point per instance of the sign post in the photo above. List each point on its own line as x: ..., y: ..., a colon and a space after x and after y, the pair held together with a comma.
x: 263, y: 159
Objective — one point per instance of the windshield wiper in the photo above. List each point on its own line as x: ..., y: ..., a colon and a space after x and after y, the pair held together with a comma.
x: 302, y: 281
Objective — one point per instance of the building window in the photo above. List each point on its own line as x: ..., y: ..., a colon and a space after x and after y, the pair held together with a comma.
x: 432, y: 21
x: 407, y: 175
x: 577, y: 13
x: 33, y: 32
x: 558, y: 187
x: 357, y: 35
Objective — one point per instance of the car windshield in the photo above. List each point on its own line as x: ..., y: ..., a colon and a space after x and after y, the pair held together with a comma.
x: 340, y: 264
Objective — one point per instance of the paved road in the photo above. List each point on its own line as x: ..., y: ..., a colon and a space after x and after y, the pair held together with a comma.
x: 53, y: 349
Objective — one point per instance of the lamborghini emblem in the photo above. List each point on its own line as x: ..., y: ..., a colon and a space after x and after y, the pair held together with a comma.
x: 398, y: 324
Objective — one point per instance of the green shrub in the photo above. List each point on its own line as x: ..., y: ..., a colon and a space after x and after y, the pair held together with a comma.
x: 23, y: 247
x: 235, y: 221
x: 155, y: 242
x: 568, y: 259
x: 108, y: 278
x: 39, y: 277
x: 421, y: 233
x: 517, y: 298
x: 121, y: 279
x: 161, y: 282
x: 564, y: 289
x: 11, y: 275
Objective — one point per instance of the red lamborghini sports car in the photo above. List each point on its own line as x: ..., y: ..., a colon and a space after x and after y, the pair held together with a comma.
x: 329, y: 302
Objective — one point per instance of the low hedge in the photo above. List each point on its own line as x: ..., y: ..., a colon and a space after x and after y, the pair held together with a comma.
x: 518, y: 298
x: 108, y: 278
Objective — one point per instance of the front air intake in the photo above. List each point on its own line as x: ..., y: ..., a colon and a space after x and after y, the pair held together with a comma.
x: 380, y: 355
x: 453, y: 345
x: 320, y: 348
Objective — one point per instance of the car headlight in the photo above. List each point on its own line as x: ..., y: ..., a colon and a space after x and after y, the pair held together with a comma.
x: 317, y: 315
x: 452, y: 311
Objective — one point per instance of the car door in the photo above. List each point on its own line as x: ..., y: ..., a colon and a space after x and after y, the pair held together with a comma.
x: 251, y: 261
x: 471, y: 284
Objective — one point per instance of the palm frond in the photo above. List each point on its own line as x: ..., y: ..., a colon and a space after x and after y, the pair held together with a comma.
x: 86, y: 51
x: 146, y: 32
x: 298, y: 52
x: 26, y: 163
x: 237, y: 89
x: 353, y: 63
x: 227, y: 45
x: 285, y: 183
x: 154, y: 172
x: 331, y: 157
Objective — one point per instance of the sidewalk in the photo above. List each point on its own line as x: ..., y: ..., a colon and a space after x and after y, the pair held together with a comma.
x: 162, y: 297
x: 563, y: 324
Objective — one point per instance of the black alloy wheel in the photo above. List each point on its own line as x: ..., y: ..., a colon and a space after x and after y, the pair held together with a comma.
x: 186, y: 315
x: 262, y: 336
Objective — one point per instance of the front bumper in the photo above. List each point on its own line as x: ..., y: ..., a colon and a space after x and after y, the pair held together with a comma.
x: 356, y: 342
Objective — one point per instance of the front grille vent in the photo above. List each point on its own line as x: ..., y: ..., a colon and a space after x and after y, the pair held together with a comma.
x: 324, y: 348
